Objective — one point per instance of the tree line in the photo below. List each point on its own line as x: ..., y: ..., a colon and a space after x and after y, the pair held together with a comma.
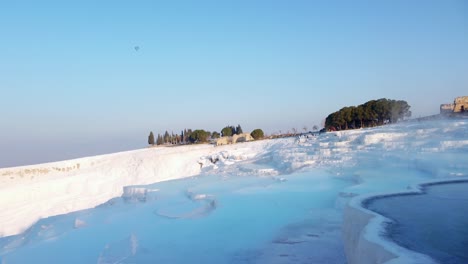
x: 371, y: 113
x: 187, y: 136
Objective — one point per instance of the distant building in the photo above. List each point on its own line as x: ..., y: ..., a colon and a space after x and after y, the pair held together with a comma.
x: 460, y: 104
x: 446, y: 109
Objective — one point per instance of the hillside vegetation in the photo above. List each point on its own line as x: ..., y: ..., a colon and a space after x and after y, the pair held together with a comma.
x: 371, y: 113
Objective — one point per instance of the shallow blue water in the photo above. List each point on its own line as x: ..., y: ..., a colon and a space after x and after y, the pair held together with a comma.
x: 207, y: 219
x: 434, y: 223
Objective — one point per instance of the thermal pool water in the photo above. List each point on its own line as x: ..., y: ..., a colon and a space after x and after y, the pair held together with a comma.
x: 434, y: 222
x: 203, y: 219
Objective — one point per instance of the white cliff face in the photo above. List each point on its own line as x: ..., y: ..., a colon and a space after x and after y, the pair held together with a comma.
x: 33, y: 192
x: 29, y: 193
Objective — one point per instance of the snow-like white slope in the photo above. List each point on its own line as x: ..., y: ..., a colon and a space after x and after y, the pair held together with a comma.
x: 378, y: 160
x: 29, y: 193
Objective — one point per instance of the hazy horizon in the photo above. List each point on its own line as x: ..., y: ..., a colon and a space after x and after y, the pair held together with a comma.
x: 86, y: 78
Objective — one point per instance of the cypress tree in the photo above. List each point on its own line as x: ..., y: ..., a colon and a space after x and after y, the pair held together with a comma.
x: 151, y: 138
x: 239, y: 129
x: 159, y: 140
x: 187, y: 135
x: 166, y: 137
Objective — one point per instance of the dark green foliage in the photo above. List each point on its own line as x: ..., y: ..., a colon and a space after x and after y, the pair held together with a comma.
x: 372, y: 113
x: 227, y: 131
x: 215, y: 134
x: 151, y: 138
x: 239, y: 130
x: 257, y: 133
x: 199, y: 135
x: 231, y: 130
x: 160, y: 140
x: 187, y: 135
x: 167, y: 138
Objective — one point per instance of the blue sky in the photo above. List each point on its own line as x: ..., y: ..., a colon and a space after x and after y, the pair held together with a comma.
x: 73, y: 85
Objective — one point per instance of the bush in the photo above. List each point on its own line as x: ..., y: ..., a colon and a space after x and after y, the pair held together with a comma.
x: 257, y: 134
x: 227, y: 131
x: 199, y: 135
x: 215, y: 134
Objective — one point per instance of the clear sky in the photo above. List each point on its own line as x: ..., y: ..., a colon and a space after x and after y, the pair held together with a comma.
x: 72, y: 83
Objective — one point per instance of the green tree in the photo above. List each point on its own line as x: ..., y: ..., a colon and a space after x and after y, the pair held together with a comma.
x: 400, y: 111
x: 358, y: 115
x: 187, y: 135
x: 239, y: 130
x: 151, y: 138
x: 346, y: 115
x: 166, y: 137
x: 160, y: 140
x: 215, y: 134
x: 371, y: 113
x: 199, y: 135
x: 227, y: 131
x: 257, y: 133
